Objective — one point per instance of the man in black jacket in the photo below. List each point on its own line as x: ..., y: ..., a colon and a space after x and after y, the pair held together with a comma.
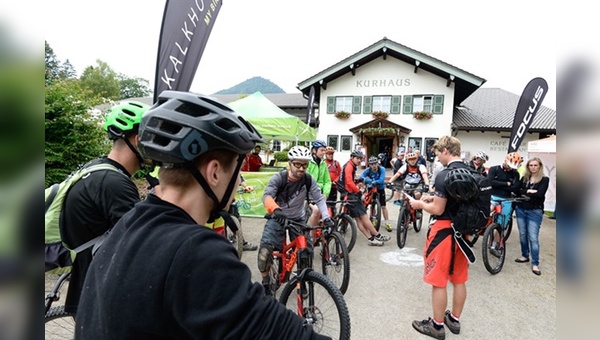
x: 161, y: 274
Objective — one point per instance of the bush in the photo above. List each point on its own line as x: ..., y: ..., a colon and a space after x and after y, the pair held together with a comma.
x: 281, y: 156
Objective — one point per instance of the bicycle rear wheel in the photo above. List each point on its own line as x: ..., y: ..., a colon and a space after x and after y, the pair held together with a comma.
x: 59, y: 324
x: 335, y: 261
x: 320, y: 303
x: 237, y: 238
x: 493, y: 252
x: 402, y: 226
x: 375, y: 212
x: 346, y: 226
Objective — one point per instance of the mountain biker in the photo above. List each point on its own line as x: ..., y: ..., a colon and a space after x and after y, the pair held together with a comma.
x: 505, y: 181
x: 96, y: 202
x: 397, y: 163
x: 317, y: 168
x: 160, y: 275
x: 335, y: 169
x: 356, y: 209
x: 374, y: 176
x: 413, y: 174
x: 284, y: 197
x: 477, y: 162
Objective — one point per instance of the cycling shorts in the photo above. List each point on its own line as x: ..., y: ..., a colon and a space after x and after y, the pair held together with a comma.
x: 437, y: 255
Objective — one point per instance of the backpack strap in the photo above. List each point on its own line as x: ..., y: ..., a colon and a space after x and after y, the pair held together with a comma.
x: 53, y: 192
x: 284, y: 182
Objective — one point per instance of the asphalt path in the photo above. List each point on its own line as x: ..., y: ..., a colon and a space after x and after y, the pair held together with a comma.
x: 387, y: 292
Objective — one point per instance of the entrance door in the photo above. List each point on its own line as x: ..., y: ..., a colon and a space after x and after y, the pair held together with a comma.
x: 385, y: 145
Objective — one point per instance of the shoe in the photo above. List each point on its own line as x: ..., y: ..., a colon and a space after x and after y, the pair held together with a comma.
x: 426, y: 327
x: 495, y: 251
x: 521, y: 260
x: 388, y: 227
x: 247, y: 246
x: 382, y: 238
x: 267, y: 287
x: 397, y: 203
x: 536, y: 271
x: 375, y: 242
x: 453, y: 326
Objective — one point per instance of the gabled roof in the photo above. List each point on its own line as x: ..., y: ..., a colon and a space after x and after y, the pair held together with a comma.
x: 380, y: 123
x: 493, y: 109
x: 465, y: 82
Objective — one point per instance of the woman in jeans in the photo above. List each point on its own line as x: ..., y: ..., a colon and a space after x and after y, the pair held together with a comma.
x: 530, y: 213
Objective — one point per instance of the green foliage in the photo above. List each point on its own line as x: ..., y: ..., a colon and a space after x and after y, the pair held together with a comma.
x: 55, y: 69
x: 133, y: 87
x: 73, y: 135
x: 101, y: 80
x: 252, y: 85
x: 282, y: 156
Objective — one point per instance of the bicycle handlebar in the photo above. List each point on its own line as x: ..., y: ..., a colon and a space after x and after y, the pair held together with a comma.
x: 297, y: 226
x: 512, y: 199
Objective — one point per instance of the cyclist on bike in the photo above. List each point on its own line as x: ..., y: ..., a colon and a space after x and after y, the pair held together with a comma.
x: 505, y: 183
x: 356, y: 209
x: 159, y: 275
x: 374, y: 176
x: 335, y: 169
x: 397, y: 163
x: 284, y: 197
x: 317, y: 168
x: 413, y: 174
x: 95, y: 203
x: 478, y: 161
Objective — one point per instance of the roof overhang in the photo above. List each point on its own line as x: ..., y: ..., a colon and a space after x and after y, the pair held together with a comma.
x: 381, y: 123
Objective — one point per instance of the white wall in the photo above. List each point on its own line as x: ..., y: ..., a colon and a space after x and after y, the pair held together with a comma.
x: 493, y: 143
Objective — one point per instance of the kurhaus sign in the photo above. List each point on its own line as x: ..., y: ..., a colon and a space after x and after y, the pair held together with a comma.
x: 383, y: 82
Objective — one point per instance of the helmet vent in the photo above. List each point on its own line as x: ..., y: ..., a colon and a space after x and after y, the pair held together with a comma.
x: 170, y: 128
x: 227, y: 124
x: 192, y: 110
x: 219, y: 105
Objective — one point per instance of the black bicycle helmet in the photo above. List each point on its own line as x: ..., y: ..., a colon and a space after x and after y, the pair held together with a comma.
x: 357, y: 153
x: 182, y: 126
x: 461, y: 185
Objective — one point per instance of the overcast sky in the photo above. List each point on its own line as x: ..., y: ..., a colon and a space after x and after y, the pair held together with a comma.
x: 507, y: 43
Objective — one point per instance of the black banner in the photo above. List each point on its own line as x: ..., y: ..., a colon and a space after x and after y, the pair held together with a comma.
x: 185, y: 30
x: 311, y: 104
x: 528, y: 106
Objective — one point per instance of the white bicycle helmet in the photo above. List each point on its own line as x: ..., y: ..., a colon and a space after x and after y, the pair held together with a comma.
x: 299, y: 152
x: 482, y: 155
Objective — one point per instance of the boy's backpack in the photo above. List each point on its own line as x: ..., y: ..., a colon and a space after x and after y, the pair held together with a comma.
x: 473, y: 192
x: 341, y: 185
x: 58, y: 257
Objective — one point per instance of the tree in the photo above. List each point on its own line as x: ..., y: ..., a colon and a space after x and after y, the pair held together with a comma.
x: 67, y: 71
x: 101, y: 80
x: 52, y: 65
x: 73, y: 134
x: 133, y: 87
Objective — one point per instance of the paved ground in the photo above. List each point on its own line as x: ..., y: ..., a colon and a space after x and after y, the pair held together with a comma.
x: 385, y: 296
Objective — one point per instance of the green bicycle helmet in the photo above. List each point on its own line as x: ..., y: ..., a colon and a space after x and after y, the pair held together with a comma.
x: 124, y: 118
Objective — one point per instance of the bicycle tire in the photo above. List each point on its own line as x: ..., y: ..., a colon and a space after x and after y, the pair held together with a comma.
x: 326, y: 298
x: 59, y: 324
x: 335, y: 261
x: 418, y: 223
x: 375, y: 212
x: 402, y: 226
x: 274, y: 272
x: 346, y: 226
x: 493, y: 259
x: 236, y: 239
x: 389, y: 194
x: 509, y: 228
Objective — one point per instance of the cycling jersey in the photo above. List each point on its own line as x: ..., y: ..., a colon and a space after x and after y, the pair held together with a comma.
x: 412, y: 174
x: 318, y: 170
x: 335, y: 170
x: 376, y: 178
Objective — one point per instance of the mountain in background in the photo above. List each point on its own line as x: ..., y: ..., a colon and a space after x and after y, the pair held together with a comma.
x: 252, y: 85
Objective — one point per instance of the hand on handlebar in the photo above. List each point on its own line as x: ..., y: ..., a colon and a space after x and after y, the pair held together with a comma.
x: 328, y: 222
x: 278, y: 216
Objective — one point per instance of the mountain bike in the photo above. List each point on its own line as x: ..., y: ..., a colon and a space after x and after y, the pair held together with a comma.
x: 407, y: 215
x: 313, y: 296
x: 345, y: 224
x: 335, y: 257
x: 371, y: 202
x: 493, y: 249
x: 58, y: 323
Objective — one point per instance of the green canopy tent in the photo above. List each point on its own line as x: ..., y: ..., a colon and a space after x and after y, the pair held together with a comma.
x: 271, y: 121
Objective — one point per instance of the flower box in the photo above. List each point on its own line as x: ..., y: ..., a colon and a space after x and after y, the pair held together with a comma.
x: 342, y: 114
x: 380, y: 114
x: 422, y: 115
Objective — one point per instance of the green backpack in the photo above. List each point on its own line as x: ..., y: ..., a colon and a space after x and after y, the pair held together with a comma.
x: 58, y: 257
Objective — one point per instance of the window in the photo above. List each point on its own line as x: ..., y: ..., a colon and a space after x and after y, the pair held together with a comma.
x: 276, y: 145
x: 346, y: 143
x: 332, y: 140
x: 343, y: 104
x: 422, y: 103
x: 414, y: 143
x: 382, y: 103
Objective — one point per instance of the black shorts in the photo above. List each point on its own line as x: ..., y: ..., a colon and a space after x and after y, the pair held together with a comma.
x: 357, y: 208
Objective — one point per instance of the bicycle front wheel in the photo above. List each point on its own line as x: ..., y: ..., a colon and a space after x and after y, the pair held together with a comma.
x: 389, y: 193
x: 402, y: 226
x: 509, y: 227
x: 346, y: 226
x: 375, y: 212
x: 492, y: 248
x: 237, y: 238
x: 335, y: 261
x: 320, y: 303
x: 418, y: 222
x: 59, y: 324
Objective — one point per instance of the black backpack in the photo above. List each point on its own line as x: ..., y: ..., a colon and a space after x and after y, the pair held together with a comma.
x: 473, y: 192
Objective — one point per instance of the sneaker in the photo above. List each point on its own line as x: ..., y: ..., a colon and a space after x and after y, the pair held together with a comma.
x: 388, y: 227
x: 382, y: 238
x: 247, y: 246
x: 426, y: 327
x: 453, y: 326
x: 375, y: 242
x: 495, y: 251
x: 267, y: 287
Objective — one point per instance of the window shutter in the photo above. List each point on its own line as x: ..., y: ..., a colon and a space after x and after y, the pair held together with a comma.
x: 330, y: 105
x: 396, y: 102
x: 408, y: 105
x: 438, y: 104
x: 368, y: 104
x: 356, y: 101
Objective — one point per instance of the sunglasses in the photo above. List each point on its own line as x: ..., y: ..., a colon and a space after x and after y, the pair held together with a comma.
x: 298, y: 165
